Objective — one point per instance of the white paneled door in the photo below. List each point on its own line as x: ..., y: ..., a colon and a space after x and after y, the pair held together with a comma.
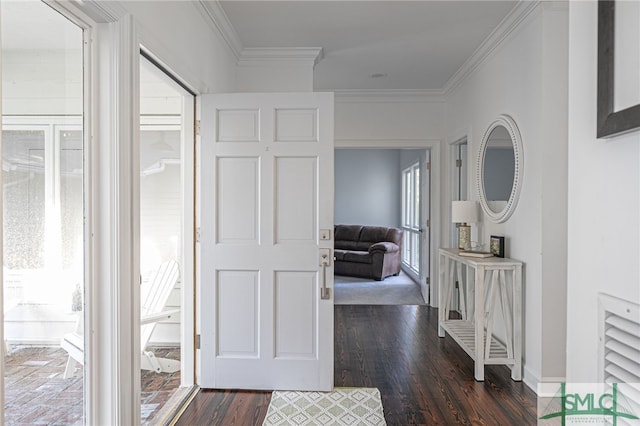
x: 266, y: 193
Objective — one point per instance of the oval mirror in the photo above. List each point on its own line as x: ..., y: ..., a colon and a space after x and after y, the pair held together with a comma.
x: 499, y: 169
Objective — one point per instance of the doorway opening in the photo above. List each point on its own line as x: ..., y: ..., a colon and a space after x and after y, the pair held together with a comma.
x: 459, y: 179
x: 386, y: 188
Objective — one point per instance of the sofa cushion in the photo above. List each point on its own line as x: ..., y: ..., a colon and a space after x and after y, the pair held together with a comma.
x: 338, y: 254
x: 374, y: 234
x: 347, y: 232
x: 357, y: 257
x: 346, y: 245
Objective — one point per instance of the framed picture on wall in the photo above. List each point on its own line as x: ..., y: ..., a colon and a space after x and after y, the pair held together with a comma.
x: 496, y: 246
x: 618, y: 103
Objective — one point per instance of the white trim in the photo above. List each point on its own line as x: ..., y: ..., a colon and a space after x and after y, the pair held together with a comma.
x: 386, y: 143
x: 260, y: 56
x: 113, y: 352
x: 156, y: 50
x: 217, y: 19
x: 495, y: 39
x: 187, y: 320
x: 96, y: 11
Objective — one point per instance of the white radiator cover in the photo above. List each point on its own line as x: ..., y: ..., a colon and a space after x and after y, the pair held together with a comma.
x: 619, y: 348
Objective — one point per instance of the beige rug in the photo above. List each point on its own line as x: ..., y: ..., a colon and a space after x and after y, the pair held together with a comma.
x: 343, y: 406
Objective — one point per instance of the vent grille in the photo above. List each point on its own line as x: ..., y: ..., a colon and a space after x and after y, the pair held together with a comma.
x: 620, y: 349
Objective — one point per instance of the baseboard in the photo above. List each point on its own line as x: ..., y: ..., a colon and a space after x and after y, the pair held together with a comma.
x: 541, y: 386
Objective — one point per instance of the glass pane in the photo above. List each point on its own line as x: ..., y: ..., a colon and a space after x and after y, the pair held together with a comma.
x: 415, y: 252
x: 161, y: 204
x: 24, y: 198
x: 43, y: 223
x: 71, y: 206
x: 405, y: 247
x: 416, y: 199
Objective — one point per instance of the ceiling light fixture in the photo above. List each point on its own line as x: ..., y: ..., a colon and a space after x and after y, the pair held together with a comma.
x: 378, y: 75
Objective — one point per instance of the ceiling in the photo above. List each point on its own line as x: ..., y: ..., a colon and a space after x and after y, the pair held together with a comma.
x: 367, y: 44
x: 372, y: 45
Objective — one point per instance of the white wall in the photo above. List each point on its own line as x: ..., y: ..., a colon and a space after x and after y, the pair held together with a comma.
x: 274, y: 76
x: 525, y: 77
x: 604, y: 203
x: 367, y: 187
x: 397, y: 119
x: 194, y: 52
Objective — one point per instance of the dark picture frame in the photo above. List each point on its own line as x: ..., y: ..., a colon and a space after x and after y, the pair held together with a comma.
x: 610, y: 122
x: 496, y: 246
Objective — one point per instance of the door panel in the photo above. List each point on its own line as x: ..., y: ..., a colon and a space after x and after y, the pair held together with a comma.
x: 237, y: 306
x: 266, y: 191
x: 238, y: 200
x: 295, y: 198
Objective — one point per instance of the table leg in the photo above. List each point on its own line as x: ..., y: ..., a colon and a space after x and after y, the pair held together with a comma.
x: 479, y: 325
x: 442, y: 295
x: 516, y: 371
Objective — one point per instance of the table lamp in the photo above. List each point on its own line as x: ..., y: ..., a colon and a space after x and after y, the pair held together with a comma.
x: 463, y: 213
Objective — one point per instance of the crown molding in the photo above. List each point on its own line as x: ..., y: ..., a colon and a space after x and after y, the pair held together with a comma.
x: 378, y: 96
x: 259, y: 56
x: 218, y: 20
x: 518, y: 14
x: 99, y: 11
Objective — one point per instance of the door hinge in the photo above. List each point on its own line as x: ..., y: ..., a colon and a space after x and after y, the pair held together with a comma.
x: 198, y: 234
x: 197, y: 127
x: 458, y: 163
x: 429, y: 165
x: 428, y: 280
x: 428, y: 223
x: 197, y: 341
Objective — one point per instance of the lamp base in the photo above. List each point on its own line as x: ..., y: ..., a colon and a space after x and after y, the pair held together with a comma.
x: 464, y: 237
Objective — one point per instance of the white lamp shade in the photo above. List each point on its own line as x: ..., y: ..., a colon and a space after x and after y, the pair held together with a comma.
x: 464, y: 211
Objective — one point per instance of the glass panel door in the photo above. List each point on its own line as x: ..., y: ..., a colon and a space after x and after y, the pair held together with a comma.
x: 43, y: 213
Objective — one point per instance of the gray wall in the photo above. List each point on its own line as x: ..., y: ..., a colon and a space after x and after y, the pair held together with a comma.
x: 368, y: 185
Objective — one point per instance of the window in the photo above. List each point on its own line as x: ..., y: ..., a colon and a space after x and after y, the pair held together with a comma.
x: 411, y: 217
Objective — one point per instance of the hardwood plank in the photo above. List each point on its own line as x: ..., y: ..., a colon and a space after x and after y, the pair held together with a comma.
x: 423, y: 379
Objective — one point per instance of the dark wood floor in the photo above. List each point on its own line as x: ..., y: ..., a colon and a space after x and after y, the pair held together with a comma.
x: 423, y: 379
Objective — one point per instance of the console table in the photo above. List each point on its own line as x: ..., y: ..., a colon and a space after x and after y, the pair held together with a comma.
x: 474, y: 330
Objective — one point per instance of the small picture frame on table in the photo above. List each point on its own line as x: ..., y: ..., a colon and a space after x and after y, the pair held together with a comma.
x: 496, y: 246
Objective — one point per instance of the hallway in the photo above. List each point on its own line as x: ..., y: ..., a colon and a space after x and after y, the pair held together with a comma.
x: 422, y: 379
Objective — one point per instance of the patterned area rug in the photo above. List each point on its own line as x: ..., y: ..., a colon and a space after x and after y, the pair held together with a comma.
x: 343, y: 406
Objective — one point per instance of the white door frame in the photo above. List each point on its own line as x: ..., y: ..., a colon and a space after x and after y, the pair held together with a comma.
x: 433, y: 145
x: 111, y: 124
x: 112, y: 344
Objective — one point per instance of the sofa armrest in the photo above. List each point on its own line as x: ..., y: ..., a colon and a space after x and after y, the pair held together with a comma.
x: 384, y: 247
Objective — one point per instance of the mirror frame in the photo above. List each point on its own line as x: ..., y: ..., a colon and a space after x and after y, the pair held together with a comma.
x: 508, y: 123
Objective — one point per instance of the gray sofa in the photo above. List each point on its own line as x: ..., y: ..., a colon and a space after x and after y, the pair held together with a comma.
x: 367, y: 251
